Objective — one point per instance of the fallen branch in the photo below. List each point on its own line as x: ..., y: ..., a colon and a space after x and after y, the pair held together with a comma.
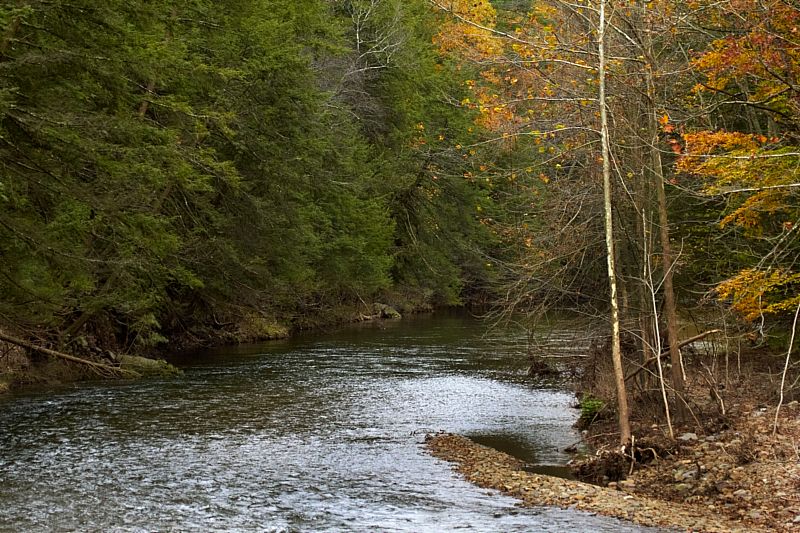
x: 100, y: 368
x: 665, y: 353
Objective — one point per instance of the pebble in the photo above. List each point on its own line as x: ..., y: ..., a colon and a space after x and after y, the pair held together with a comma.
x: 686, y: 437
x: 490, y: 468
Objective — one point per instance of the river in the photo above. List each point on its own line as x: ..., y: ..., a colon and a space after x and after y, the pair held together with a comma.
x: 317, y: 433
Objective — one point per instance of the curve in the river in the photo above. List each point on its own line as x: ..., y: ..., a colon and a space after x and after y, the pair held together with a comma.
x: 322, y: 433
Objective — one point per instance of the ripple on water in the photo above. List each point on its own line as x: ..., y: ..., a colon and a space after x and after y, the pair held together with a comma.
x: 321, y: 434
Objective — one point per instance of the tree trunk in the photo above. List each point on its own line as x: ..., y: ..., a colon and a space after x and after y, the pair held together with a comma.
x: 108, y: 369
x: 670, y: 308
x: 616, y: 350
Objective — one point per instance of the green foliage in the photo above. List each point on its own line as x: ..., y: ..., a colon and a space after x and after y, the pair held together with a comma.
x: 590, y: 409
x: 165, y: 164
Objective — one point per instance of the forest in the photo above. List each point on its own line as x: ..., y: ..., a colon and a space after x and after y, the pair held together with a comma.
x: 198, y: 170
x: 188, y: 172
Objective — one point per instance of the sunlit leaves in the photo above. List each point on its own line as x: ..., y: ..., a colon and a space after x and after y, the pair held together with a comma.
x: 756, y: 292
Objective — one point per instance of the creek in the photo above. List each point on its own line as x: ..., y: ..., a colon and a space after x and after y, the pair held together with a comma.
x: 322, y: 432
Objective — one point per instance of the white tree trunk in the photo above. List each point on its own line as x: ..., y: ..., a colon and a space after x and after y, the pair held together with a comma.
x: 616, y: 351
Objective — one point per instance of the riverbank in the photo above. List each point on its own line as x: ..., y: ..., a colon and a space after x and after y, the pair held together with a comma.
x: 727, y: 457
x: 726, y: 461
x: 734, y: 467
x: 492, y: 469
x: 22, y: 368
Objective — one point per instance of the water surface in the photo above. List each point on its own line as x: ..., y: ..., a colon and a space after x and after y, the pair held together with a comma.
x: 320, y: 433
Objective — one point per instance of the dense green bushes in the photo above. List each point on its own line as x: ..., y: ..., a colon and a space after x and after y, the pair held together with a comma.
x: 173, y: 164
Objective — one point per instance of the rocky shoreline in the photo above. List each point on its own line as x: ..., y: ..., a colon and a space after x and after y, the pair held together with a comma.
x: 492, y: 469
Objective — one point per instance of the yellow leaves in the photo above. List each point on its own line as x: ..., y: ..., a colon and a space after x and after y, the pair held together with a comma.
x: 755, y: 292
x: 491, y: 77
x: 752, y: 212
x: 468, y: 32
x: 700, y: 147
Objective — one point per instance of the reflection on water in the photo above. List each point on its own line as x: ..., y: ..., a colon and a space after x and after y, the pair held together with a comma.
x: 320, y: 433
x: 522, y: 449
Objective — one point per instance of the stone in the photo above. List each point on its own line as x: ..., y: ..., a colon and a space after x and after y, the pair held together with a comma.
x: 687, y: 437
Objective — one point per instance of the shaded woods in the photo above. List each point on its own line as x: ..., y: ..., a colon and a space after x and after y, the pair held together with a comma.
x: 177, y: 173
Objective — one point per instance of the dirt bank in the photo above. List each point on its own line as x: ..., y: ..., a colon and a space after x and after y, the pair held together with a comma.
x: 733, y: 466
x: 490, y: 468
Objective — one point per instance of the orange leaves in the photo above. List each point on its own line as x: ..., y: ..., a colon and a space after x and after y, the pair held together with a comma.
x: 755, y: 292
x: 469, y: 33
x: 700, y: 147
x: 732, y: 161
x: 761, y: 50
x: 710, y: 142
x: 754, y: 209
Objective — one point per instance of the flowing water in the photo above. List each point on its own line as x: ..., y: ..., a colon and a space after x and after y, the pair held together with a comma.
x: 320, y: 433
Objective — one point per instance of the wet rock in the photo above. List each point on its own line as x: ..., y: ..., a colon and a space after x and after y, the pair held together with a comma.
x: 386, y: 311
x: 147, y: 367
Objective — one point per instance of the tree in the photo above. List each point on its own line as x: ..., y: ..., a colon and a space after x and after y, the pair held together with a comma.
x: 745, y: 152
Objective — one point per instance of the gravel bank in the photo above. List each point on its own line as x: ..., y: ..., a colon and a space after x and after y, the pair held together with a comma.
x: 490, y: 468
